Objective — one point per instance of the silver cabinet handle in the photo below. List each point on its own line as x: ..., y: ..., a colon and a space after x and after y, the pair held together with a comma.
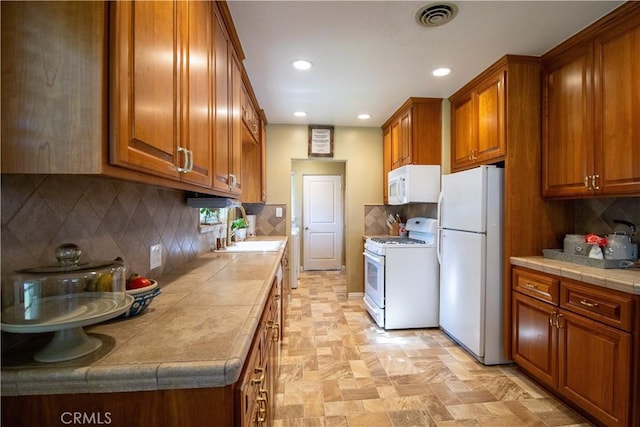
x: 233, y: 181
x: 586, y: 182
x: 589, y: 304
x: 185, y: 160
x: 594, y: 185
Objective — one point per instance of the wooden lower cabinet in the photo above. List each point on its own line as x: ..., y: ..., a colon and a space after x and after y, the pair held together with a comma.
x: 534, y: 338
x: 566, y: 341
x: 594, y: 367
x: 248, y: 402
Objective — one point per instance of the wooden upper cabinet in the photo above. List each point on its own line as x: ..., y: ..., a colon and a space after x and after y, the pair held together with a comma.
x: 462, y: 131
x: 235, y: 141
x: 478, y: 122
x: 250, y: 116
x: 591, y: 110
x: 222, y: 122
x: 567, y: 130
x: 617, y: 109
x: 254, y: 166
x: 406, y: 140
x: 396, y: 144
x: 53, y: 83
x: 415, y: 132
x: 144, y: 89
x: 198, y: 87
x: 490, y: 104
x: 161, y: 89
x: 228, y: 121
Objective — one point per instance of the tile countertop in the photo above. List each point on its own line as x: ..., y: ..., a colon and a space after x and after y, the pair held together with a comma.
x: 196, y: 333
x: 625, y: 280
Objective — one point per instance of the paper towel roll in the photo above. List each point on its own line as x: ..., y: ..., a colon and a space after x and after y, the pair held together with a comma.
x: 251, y: 219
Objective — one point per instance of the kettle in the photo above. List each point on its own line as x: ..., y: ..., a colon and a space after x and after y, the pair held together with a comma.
x: 619, y: 246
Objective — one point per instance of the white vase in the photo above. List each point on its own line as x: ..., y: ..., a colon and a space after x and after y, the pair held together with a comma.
x: 240, y: 234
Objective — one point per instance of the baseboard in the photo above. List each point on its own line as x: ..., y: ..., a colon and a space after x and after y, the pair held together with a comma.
x: 355, y: 295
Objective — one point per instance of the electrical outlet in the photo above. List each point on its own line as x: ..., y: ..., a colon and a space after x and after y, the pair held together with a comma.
x: 155, y: 256
x: 279, y: 212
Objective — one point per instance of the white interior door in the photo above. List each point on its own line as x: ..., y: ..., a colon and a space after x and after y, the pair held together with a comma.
x: 323, y: 224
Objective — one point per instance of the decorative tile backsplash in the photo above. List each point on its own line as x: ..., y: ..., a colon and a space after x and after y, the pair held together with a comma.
x: 267, y: 223
x: 597, y: 215
x: 375, y: 216
x: 593, y: 215
x: 105, y: 218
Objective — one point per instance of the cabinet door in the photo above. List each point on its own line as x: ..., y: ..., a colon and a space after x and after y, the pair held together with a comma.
x: 463, y: 143
x: 406, y: 139
x: 144, y: 90
x: 235, y: 149
x: 534, y: 338
x: 594, y: 369
x: 567, y: 141
x: 490, y: 144
x: 396, y: 153
x: 617, y: 101
x: 53, y: 84
x: 221, y: 149
x: 198, y: 92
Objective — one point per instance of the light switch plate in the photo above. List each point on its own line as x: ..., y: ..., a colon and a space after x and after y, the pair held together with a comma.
x: 278, y: 212
x: 155, y: 256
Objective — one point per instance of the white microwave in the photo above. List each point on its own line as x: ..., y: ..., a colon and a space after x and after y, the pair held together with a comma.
x: 414, y: 184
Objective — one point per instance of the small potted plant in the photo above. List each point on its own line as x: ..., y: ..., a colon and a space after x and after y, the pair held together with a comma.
x: 239, y: 229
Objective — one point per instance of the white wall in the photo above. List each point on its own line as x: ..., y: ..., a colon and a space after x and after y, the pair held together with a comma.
x: 361, y: 150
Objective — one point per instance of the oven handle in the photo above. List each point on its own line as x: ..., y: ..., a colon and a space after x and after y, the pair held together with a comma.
x: 378, y: 260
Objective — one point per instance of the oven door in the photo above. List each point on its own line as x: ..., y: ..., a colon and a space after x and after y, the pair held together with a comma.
x: 374, y: 278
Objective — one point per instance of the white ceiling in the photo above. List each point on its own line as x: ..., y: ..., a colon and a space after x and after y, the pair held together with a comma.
x: 370, y: 56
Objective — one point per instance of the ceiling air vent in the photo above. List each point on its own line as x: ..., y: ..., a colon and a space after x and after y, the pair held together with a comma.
x: 435, y: 14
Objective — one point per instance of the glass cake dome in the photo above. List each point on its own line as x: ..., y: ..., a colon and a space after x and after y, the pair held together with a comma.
x: 64, y: 297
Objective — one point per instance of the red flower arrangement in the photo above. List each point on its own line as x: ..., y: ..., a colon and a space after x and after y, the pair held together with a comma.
x: 594, y: 239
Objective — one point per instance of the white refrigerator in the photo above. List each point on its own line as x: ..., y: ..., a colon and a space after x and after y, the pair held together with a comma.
x: 470, y: 252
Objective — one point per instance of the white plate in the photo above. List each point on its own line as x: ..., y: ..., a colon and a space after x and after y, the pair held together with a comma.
x: 64, y: 311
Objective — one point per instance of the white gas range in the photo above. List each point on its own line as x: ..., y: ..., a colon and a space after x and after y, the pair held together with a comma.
x: 401, y: 277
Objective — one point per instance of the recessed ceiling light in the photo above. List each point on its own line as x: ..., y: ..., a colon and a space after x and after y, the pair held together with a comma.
x: 300, y: 114
x: 440, y: 72
x: 364, y: 116
x: 302, y: 64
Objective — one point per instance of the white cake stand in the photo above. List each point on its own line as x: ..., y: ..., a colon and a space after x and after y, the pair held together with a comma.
x: 65, y: 315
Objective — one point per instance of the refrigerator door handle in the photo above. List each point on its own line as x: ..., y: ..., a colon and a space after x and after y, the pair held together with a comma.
x: 438, y: 236
x: 439, y: 209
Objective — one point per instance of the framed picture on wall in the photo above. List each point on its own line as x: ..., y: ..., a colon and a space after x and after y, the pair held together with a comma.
x: 320, y: 141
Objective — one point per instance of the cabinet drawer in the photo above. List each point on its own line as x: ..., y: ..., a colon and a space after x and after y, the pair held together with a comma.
x: 604, y: 305
x: 536, y: 285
